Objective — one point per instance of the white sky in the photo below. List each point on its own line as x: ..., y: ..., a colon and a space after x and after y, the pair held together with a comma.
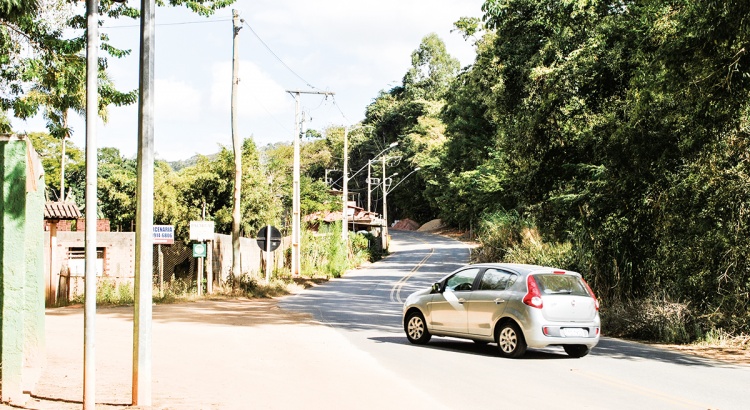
x: 353, y: 48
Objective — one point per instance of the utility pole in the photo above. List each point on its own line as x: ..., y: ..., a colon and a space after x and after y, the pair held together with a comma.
x: 369, y: 181
x: 345, y: 208
x: 385, y: 209
x: 296, y: 226
x: 62, y: 168
x: 89, y: 314
x: 144, y: 241
x: 237, y: 144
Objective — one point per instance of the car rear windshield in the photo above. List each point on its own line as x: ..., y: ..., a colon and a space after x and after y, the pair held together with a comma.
x: 550, y: 284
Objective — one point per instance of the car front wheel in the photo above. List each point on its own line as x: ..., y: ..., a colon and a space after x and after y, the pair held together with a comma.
x: 416, y: 328
x: 576, y: 350
x: 510, y: 341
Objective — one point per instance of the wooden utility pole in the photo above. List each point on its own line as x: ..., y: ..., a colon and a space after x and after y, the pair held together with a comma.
x: 237, y: 144
x: 296, y: 229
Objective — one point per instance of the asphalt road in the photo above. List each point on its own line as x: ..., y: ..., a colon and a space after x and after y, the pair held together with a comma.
x: 365, y: 307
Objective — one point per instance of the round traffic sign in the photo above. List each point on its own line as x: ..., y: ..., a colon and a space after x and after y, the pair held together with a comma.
x: 273, y: 235
x: 199, y: 250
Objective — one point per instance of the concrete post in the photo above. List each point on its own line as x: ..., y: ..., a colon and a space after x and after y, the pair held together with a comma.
x: 21, y: 268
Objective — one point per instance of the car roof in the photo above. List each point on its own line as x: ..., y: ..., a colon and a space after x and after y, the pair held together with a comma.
x: 520, y: 268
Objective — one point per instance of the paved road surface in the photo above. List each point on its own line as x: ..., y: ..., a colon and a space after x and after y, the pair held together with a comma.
x: 366, y: 308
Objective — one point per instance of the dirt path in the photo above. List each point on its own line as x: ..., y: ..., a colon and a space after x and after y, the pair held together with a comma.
x: 229, y: 354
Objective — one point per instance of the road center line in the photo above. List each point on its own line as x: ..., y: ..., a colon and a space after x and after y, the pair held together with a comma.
x: 396, y: 289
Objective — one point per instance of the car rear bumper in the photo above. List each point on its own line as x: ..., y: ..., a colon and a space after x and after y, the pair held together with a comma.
x: 558, y: 334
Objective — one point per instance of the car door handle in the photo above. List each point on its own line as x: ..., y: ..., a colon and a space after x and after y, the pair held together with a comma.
x: 499, y: 301
x: 461, y: 300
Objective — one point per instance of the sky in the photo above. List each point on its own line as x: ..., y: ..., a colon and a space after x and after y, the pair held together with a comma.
x: 352, y: 48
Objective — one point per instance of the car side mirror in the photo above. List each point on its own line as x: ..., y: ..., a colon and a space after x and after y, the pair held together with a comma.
x: 436, y: 287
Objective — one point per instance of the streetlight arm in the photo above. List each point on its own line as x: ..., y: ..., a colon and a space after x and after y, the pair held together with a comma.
x: 373, y: 159
x: 403, y: 179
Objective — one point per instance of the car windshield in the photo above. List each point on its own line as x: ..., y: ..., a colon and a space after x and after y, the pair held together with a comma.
x: 550, y: 284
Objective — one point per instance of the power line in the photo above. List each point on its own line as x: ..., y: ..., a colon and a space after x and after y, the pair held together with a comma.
x: 340, y: 111
x: 181, y: 23
x: 279, y: 58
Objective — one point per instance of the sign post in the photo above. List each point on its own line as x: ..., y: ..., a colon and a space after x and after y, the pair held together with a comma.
x: 163, y: 235
x: 269, y: 239
x: 200, y: 231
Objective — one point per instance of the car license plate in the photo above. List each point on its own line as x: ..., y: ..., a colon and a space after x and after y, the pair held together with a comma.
x: 575, y: 332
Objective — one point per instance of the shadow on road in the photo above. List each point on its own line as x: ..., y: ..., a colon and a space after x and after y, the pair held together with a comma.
x: 613, y: 348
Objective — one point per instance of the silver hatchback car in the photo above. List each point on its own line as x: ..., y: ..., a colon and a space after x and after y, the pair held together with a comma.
x: 516, y: 306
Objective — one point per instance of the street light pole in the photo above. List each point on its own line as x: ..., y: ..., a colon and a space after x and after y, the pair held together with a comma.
x: 144, y: 243
x: 369, y: 180
x: 296, y: 225
x: 345, y: 208
x: 89, y: 314
x: 385, y: 210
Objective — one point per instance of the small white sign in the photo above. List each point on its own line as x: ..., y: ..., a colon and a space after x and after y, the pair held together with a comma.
x: 201, y: 230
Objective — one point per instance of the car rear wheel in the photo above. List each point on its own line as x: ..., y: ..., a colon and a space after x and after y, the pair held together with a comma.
x: 416, y: 328
x: 510, y: 341
x: 576, y: 350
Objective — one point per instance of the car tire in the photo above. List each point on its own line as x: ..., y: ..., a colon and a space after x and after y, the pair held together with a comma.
x: 576, y: 351
x: 416, y: 328
x: 510, y: 341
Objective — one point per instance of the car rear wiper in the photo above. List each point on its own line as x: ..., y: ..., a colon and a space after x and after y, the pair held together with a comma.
x: 561, y: 292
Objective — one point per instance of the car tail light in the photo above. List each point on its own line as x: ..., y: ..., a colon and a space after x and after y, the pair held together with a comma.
x: 559, y: 272
x: 591, y: 292
x: 533, y: 297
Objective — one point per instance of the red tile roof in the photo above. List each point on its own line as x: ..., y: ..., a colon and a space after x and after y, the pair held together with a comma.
x: 61, y: 210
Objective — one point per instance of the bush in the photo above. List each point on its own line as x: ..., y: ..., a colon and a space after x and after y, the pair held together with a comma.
x: 498, y: 232
x: 655, y: 319
x: 506, y: 237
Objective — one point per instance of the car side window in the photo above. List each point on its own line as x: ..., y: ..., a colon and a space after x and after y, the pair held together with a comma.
x: 495, y: 279
x: 462, y: 281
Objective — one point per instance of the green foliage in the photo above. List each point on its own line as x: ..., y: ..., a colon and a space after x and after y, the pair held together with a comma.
x: 324, y: 254
x: 49, y: 149
x: 621, y: 129
x: 109, y: 292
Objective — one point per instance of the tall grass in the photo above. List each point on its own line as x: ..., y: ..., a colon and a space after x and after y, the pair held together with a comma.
x: 325, y: 254
x: 109, y: 292
x: 507, y: 237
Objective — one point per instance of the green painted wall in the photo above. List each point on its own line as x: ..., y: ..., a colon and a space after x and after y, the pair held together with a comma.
x: 21, y: 269
x: 34, y: 336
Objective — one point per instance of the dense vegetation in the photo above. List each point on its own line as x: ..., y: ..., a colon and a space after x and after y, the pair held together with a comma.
x: 610, y: 136
x: 604, y: 136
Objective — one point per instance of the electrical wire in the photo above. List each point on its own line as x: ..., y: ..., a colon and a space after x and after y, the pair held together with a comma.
x: 279, y: 58
x: 340, y: 111
x: 182, y: 23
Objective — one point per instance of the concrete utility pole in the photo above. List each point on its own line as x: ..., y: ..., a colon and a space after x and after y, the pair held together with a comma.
x: 385, y: 209
x: 237, y: 144
x: 92, y: 102
x: 144, y: 240
x: 369, y: 182
x: 62, y: 166
x: 296, y: 226
x: 345, y: 208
